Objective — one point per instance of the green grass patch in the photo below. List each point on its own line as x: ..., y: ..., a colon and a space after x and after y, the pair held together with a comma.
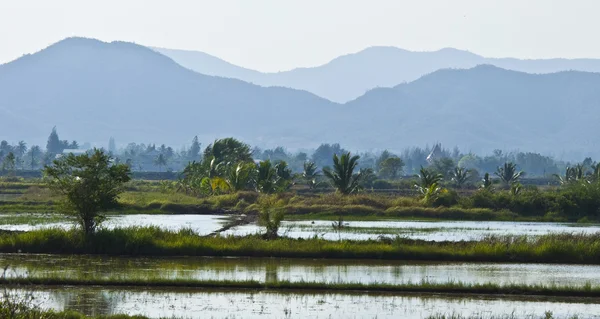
x: 152, y: 241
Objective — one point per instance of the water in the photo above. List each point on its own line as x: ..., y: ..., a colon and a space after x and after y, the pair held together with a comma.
x: 201, y: 224
x: 269, y: 304
x: 423, y: 230
x: 297, y: 270
x: 356, y: 230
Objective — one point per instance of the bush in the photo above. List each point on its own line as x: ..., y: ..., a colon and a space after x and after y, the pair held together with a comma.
x: 382, y: 184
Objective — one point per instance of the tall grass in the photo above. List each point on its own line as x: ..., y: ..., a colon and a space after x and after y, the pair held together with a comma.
x: 151, y: 241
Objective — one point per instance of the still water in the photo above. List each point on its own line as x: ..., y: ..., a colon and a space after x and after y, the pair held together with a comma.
x: 297, y: 270
x: 207, y: 303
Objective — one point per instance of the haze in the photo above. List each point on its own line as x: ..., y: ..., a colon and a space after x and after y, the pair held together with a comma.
x: 281, y: 35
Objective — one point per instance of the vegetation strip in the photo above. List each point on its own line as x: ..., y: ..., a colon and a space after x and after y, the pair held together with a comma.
x: 423, y: 287
x: 152, y: 241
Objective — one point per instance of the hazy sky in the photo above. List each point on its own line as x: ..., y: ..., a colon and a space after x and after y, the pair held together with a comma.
x: 273, y: 35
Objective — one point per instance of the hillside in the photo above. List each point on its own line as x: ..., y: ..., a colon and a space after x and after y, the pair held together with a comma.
x: 93, y: 90
x: 487, y: 107
x: 349, y: 76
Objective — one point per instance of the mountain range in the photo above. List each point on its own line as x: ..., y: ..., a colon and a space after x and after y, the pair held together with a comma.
x: 350, y: 76
x: 92, y: 90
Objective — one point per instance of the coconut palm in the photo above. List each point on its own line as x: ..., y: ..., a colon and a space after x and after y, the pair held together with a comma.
x: 508, y: 173
x: 310, y: 174
x: 460, y: 176
x: 266, y: 177
x: 240, y: 176
x: 342, y: 175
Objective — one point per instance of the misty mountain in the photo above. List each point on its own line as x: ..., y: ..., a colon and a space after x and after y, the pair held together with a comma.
x: 487, y: 107
x: 93, y: 90
x: 349, y: 76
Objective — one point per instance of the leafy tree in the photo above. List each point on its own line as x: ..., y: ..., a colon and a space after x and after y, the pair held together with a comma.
x: 487, y: 183
x: 228, y: 150
x: 508, y: 173
x: 89, y: 183
x: 160, y: 161
x: 310, y: 174
x: 33, y: 156
x: 391, y: 167
x: 54, y: 145
x: 9, y: 163
x: 460, y: 176
x: 382, y: 157
x: 323, y: 154
x: 342, y: 175
x: 194, y: 151
x: 444, y: 166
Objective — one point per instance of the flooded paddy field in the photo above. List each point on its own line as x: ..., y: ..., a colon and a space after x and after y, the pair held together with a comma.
x: 356, y: 230
x: 215, y: 303
x: 296, y: 270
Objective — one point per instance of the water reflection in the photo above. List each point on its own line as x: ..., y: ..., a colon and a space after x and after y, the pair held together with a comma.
x: 311, y: 270
x: 269, y: 304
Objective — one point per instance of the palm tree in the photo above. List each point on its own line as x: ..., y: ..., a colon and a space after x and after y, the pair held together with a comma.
x: 342, y: 176
x: 240, y: 177
x: 310, y: 174
x: 160, y: 161
x: 428, y: 185
x: 460, y: 176
x: 285, y: 177
x: 508, y: 173
x: 573, y: 174
x: 266, y: 177
x: 427, y: 178
x: 9, y: 163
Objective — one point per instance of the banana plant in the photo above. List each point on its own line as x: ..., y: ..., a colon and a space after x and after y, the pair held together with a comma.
x: 508, y: 173
x: 460, y: 176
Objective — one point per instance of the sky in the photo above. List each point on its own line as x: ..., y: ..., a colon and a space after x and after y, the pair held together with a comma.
x: 276, y: 35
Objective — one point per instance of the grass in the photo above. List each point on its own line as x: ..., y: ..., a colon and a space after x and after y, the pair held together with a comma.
x: 152, y: 241
x: 421, y: 287
x: 33, y: 219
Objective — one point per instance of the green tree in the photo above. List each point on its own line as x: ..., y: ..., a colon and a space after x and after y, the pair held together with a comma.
x: 194, y: 151
x: 391, y: 167
x: 508, y: 173
x: 266, y: 177
x: 428, y: 177
x: 444, y: 166
x: 241, y: 176
x: 342, y: 175
x: 460, y: 176
x: 160, y: 161
x: 54, y: 145
x: 428, y: 185
x: 487, y: 183
x: 310, y: 174
x: 89, y: 183
x: 9, y: 163
x: 33, y: 156
x: 228, y: 150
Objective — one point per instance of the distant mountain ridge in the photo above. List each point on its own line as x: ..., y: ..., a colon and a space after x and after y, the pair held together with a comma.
x: 350, y: 76
x: 93, y: 90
